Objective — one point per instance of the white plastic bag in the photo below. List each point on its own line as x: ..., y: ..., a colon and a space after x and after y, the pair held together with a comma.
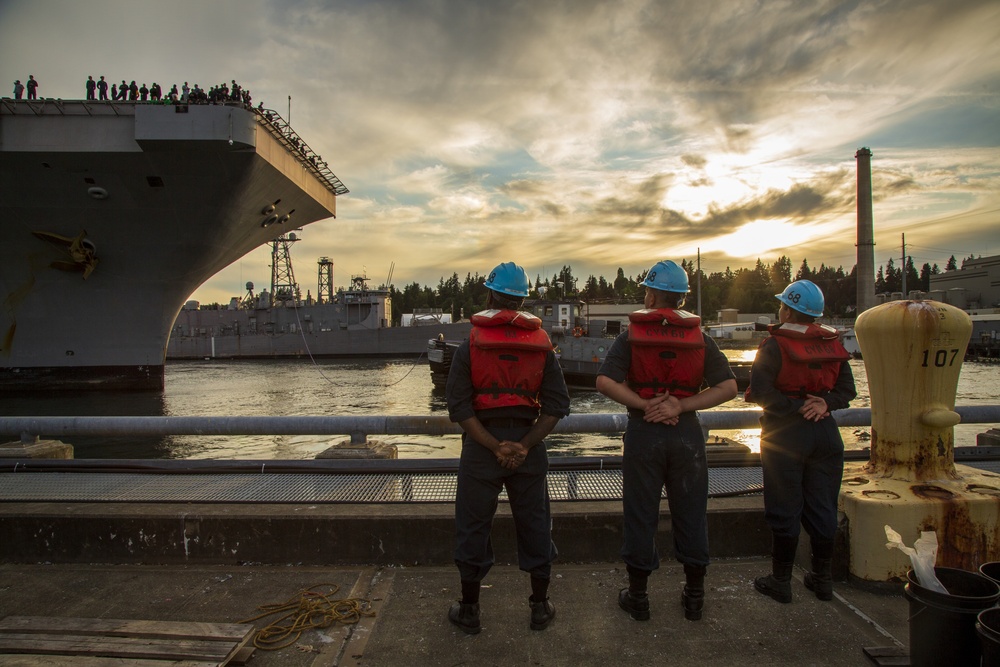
x: 922, y: 555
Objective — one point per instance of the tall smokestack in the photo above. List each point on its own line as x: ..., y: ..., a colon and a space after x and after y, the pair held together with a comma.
x: 866, y: 233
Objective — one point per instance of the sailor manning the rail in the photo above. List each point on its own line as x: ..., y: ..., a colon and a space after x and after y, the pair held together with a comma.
x: 657, y: 369
x: 506, y: 390
x: 799, y: 375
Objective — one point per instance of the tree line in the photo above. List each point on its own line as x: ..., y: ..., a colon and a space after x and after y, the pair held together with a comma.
x: 749, y: 290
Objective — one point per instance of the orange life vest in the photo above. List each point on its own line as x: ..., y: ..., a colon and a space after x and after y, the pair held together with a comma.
x: 507, y: 349
x: 811, y: 355
x: 668, y: 352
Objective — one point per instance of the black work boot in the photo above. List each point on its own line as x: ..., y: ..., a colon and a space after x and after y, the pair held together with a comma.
x: 778, y: 584
x: 636, y: 604
x: 820, y: 580
x: 634, y: 599
x: 542, y: 613
x: 465, y: 617
x: 693, y: 595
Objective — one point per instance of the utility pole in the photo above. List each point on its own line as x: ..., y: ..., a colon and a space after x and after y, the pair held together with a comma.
x: 699, y: 282
x: 903, y: 265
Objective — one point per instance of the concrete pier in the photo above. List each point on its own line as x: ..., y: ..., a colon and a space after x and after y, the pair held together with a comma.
x: 216, y: 563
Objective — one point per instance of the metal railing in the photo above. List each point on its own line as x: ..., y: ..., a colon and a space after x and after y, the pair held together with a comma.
x: 360, y: 427
x: 272, y: 121
x: 731, y: 472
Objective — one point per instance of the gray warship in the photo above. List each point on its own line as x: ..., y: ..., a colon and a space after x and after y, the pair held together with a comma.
x: 116, y: 213
x: 280, y: 323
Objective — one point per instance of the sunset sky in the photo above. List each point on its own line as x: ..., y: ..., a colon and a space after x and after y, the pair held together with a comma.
x: 592, y: 134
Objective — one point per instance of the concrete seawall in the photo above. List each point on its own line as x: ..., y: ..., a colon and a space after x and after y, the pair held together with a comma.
x: 328, y: 534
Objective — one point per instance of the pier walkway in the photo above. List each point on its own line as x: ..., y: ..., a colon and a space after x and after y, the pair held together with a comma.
x: 410, y: 628
x: 188, y: 552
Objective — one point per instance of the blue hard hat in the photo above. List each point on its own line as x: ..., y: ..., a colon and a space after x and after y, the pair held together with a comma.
x: 508, y: 278
x: 667, y: 276
x: 803, y: 296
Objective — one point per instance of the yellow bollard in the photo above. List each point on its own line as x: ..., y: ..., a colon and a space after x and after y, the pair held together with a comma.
x: 913, y: 353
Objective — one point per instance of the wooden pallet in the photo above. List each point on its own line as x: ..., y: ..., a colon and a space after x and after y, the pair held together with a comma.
x: 30, y: 641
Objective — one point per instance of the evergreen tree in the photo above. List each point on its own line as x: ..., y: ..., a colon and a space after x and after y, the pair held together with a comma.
x: 880, y: 281
x: 804, y: 273
x: 621, y: 283
x: 951, y: 265
x: 925, y: 277
x: 780, y: 274
x: 912, y: 279
x: 893, y: 277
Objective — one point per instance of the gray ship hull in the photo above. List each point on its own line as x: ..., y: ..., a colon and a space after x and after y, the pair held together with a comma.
x: 115, y: 214
x: 316, y: 331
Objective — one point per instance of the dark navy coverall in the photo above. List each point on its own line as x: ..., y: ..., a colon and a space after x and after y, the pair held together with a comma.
x: 481, y: 478
x: 802, y: 460
x: 659, y: 454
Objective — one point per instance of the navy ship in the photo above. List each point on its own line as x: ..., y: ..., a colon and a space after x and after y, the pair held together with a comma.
x: 280, y: 323
x: 117, y: 211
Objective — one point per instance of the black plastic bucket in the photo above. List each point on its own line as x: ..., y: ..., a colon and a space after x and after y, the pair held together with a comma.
x: 991, y: 570
x: 988, y: 629
x: 943, y: 625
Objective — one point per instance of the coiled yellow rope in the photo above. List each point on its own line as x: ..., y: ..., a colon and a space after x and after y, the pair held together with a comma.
x: 307, y: 610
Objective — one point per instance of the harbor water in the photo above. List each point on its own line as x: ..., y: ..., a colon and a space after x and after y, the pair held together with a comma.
x: 337, y: 387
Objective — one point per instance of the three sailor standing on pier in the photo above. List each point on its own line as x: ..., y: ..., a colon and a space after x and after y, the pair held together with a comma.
x: 506, y: 390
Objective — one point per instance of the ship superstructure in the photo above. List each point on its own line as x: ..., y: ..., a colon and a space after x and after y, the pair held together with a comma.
x: 117, y: 212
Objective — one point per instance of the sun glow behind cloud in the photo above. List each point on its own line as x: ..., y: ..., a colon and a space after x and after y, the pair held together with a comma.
x: 760, y: 238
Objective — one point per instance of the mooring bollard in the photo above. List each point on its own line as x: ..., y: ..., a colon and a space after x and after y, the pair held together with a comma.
x: 913, y: 353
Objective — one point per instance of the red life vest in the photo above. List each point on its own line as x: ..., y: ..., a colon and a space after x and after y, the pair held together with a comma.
x: 811, y: 355
x: 508, y: 349
x: 668, y: 352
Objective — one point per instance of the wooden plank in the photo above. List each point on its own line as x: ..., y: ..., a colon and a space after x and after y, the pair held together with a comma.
x: 888, y: 656
x: 122, y: 647
x: 241, y: 655
x: 242, y: 651
x: 126, y: 628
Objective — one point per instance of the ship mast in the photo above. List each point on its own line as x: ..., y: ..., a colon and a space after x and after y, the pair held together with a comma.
x: 324, y: 290
x: 284, y: 289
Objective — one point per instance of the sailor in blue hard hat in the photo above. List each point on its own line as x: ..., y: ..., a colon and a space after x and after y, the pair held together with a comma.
x: 666, y: 276
x: 800, y: 374
x: 662, y: 370
x: 508, y: 279
x: 804, y: 297
x: 507, y: 392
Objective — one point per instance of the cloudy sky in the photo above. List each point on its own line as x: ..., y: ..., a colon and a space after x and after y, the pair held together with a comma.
x: 594, y: 134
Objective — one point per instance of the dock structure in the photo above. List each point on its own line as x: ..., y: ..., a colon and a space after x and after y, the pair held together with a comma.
x: 175, y: 543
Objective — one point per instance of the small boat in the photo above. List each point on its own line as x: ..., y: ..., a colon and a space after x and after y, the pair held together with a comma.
x: 580, y: 342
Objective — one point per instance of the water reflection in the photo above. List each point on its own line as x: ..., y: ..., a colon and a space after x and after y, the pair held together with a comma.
x: 364, y: 387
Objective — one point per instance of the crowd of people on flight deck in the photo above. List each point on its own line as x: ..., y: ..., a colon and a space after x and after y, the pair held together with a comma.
x: 99, y: 90
x: 132, y: 92
x: 223, y: 93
